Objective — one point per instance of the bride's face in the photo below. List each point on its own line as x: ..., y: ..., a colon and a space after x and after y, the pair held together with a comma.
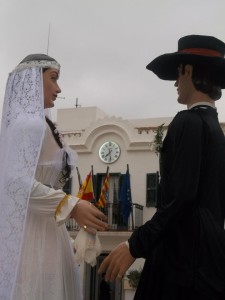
x: 51, y: 87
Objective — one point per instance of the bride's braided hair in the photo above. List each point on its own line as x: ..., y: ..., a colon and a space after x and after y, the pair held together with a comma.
x: 66, y: 171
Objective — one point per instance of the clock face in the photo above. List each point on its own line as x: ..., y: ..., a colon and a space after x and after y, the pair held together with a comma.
x: 109, y: 152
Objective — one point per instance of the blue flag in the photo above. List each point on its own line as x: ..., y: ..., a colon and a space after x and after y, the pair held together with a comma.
x: 125, y: 196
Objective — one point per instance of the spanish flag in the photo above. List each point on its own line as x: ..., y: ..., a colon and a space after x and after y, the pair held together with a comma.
x: 86, y: 191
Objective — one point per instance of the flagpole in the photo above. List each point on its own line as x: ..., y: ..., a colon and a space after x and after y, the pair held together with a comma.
x: 107, y: 171
x: 108, y: 205
x: 79, y: 178
x: 132, y: 215
x: 94, y: 185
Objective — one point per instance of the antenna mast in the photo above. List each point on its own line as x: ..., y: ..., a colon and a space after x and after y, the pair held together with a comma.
x: 48, y: 37
x: 77, y: 105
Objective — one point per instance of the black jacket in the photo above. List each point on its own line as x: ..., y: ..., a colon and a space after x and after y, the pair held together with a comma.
x: 184, y: 242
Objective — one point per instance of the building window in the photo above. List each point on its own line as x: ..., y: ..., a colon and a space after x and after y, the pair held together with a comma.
x: 152, y: 189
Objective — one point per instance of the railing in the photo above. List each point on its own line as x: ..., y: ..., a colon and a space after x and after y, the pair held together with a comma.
x: 116, y: 221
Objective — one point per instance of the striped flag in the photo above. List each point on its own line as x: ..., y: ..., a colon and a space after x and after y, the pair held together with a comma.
x: 101, y: 203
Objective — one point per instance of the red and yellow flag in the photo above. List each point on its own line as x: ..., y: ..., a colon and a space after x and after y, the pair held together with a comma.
x: 86, y: 191
x: 101, y: 203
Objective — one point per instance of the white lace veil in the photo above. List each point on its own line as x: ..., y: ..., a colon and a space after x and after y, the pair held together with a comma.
x: 22, y: 131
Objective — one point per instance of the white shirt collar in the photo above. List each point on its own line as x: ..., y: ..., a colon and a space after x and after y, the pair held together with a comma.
x: 202, y: 103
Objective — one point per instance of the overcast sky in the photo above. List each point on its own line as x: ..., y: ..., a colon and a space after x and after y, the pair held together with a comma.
x: 104, y: 46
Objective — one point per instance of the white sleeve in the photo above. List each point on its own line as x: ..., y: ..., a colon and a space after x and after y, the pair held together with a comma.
x: 50, y: 202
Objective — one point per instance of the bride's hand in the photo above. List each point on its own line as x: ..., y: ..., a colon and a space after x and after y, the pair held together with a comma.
x: 89, y: 217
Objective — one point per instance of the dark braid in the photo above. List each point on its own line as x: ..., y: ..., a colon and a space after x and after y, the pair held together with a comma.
x: 54, y: 132
x: 66, y: 171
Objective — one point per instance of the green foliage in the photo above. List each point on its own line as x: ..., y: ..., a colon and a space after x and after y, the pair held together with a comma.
x: 134, y: 277
x: 158, y: 139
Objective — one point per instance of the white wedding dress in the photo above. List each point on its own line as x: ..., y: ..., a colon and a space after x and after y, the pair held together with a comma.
x: 47, y: 269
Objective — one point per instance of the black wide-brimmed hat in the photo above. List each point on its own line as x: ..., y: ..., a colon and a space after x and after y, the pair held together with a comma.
x: 192, y: 49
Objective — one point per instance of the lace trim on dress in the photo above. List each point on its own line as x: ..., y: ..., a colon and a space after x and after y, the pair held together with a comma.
x: 22, y: 132
x: 39, y: 63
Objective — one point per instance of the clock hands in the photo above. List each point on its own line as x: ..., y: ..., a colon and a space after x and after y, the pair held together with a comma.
x: 109, y: 153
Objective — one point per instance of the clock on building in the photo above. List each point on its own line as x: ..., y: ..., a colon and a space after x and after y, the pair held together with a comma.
x: 109, y: 152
